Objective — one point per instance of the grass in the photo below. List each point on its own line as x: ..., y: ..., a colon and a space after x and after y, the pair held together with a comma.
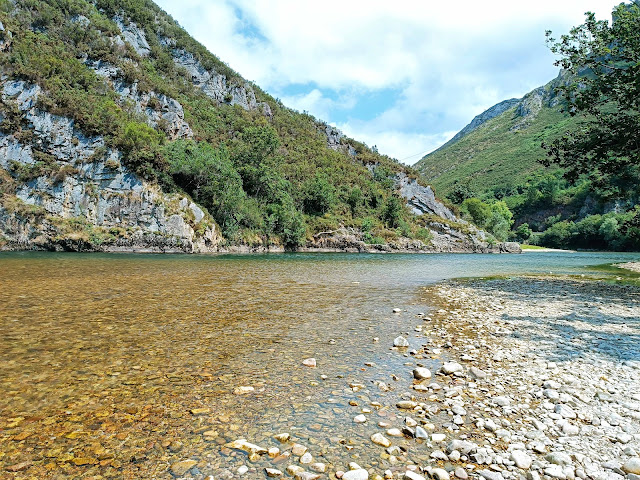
x: 531, y: 247
x: 493, y: 155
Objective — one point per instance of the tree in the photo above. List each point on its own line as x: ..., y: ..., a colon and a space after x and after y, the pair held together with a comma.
x: 604, y: 63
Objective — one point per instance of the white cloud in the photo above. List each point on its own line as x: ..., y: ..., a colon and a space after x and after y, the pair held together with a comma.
x: 449, y: 60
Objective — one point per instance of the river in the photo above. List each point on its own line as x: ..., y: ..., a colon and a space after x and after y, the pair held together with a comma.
x: 121, y: 365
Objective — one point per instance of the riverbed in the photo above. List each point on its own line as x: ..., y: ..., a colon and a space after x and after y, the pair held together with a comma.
x: 123, y: 366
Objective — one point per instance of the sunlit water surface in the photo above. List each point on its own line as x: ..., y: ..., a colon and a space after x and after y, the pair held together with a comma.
x: 104, y: 357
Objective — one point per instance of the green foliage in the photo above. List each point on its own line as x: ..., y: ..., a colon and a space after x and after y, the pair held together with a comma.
x: 605, y: 93
x: 393, y: 211
x: 319, y: 195
x: 264, y: 178
x: 523, y: 232
x: 495, y: 217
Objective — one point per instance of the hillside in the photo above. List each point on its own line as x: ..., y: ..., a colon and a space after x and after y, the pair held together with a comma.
x: 121, y: 132
x: 492, y: 171
x: 500, y: 148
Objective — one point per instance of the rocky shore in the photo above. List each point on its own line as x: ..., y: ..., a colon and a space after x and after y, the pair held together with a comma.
x: 522, y: 378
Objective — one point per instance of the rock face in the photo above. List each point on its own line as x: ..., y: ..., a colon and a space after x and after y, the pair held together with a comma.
x: 421, y: 199
x: 87, y: 199
x: 216, y: 85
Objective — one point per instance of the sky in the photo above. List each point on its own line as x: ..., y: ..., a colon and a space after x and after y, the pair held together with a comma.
x: 402, y: 75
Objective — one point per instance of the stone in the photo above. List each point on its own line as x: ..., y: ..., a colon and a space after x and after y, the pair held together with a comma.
x: 243, y: 390
x: 410, y: 422
x: 421, y: 373
x: 565, y: 411
x: 440, y: 474
x: 200, y: 411
x: 242, y: 469
x: 406, y: 404
x: 309, y: 362
x: 282, y: 437
x: 501, y: 401
x: 294, y: 469
x: 463, y: 446
x: 397, y: 310
x: 380, y: 439
x: 632, y: 466
x: 180, y: 468
x: 306, y: 458
x: 478, y: 373
x: 394, y: 432
x: 242, y: 444
x: 450, y: 368
x: 359, y: 419
x: 438, y: 437
x: 400, y: 342
x: 558, y: 458
x: 318, y: 467
x: 358, y: 474
x: 298, y: 450
x: 421, y: 433
x: 307, y: 476
x: 489, y: 475
x: 461, y: 473
x: 272, y: 472
x: 411, y: 475
x: 273, y: 452
x: 521, y: 459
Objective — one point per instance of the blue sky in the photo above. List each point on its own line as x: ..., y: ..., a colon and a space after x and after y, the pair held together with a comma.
x: 405, y: 75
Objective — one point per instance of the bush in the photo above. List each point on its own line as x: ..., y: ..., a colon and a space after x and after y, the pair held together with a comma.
x: 319, y: 195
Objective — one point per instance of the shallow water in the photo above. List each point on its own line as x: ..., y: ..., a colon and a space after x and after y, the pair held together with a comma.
x: 104, y: 357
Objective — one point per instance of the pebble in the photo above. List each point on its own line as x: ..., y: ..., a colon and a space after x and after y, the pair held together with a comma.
x: 440, y: 474
x: 450, y: 368
x: 298, y: 450
x: 306, y: 458
x: 272, y: 472
x: 521, y: 459
x: 461, y: 473
x: 309, y: 362
x: 359, y: 419
x: 380, y: 439
x: 438, y: 437
x: 406, y: 404
x: 632, y: 466
x: 400, y: 342
x: 180, y: 468
x: 242, y: 469
x: 243, y: 390
x: 411, y: 475
x: 421, y: 373
x: 358, y: 474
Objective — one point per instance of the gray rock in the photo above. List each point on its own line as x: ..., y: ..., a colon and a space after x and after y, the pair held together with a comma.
x: 632, y: 466
x: 490, y: 475
x: 558, y: 458
x: 400, y: 342
x: 421, y: 373
x: 358, y: 474
x: 521, y: 459
x: 440, y: 474
x: 451, y: 367
x: 565, y: 411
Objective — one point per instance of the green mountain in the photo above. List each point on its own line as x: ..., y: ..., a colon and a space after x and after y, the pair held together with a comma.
x: 491, y: 171
x: 118, y: 131
x: 500, y: 149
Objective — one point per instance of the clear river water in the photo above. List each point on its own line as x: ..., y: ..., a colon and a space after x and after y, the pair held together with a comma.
x: 118, y: 366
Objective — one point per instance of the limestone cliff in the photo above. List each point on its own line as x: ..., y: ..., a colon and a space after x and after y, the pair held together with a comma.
x: 74, y: 193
